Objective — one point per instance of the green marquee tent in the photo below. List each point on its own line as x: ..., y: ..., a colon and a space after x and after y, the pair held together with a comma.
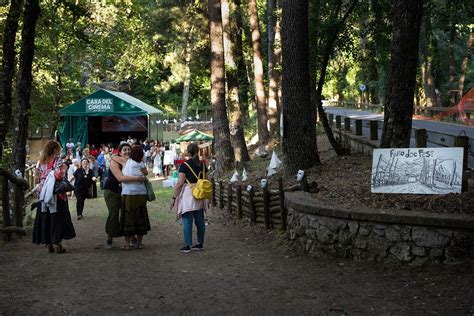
x: 194, y: 136
x: 108, y: 114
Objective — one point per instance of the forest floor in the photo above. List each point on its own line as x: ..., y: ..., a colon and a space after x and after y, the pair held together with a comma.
x: 244, y: 269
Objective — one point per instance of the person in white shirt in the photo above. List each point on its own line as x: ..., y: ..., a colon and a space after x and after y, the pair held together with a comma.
x: 135, y: 220
x: 69, y: 147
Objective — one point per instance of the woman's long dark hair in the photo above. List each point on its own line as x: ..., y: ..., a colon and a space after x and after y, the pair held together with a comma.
x: 193, y: 152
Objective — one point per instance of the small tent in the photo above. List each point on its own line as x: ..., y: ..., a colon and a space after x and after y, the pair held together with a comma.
x: 107, y: 117
x: 203, y: 139
x: 193, y: 136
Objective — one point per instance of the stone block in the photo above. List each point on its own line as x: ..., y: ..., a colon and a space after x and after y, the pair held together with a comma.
x: 364, y: 229
x: 436, y: 252
x: 353, y: 227
x: 360, y: 243
x: 345, y: 238
x: 401, y: 252
x: 378, y: 245
x: 299, y: 231
x: 419, y: 261
x: 333, y: 224
x: 311, y: 233
x: 405, y: 233
x: 378, y: 231
x: 325, y: 236
x: 428, y: 238
x: 445, y: 232
x: 308, y: 246
x: 392, y: 234
x: 419, y: 251
x: 304, y: 221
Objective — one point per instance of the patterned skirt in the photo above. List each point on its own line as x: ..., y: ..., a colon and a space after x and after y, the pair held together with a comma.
x: 134, y: 216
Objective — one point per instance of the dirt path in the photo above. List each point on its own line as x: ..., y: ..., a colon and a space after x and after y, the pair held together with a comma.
x: 244, y: 270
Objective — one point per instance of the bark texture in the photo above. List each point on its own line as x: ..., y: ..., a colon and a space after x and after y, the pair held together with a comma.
x: 8, y: 68
x: 25, y: 78
x: 237, y: 129
x: 299, y: 117
x: 398, y: 103
x: 465, y: 62
x: 242, y: 73
x: 222, y: 145
x: 262, y: 117
x: 274, y: 55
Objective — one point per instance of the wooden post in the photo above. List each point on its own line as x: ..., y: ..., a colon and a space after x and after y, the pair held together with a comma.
x: 330, y: 119
x: 463, y: 141
x: 18, y: 196
x: 213, y: 196
x: 239, y: 201
x: 420, y: 138
x: 221, y: 195
x: 338, y: 121
x: 266, y: 210
x: 347, y: 124
x: 282, y: 203
x: 229, y: 197
x: 358, y: 124
x: 253, y: 211
x: 374, y: 125
x: 6, y: 205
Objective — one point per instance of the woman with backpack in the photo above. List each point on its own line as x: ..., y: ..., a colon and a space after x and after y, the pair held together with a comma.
x: 188, y: 208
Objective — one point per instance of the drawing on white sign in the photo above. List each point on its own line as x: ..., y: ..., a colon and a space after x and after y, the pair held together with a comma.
x: 417, y: 170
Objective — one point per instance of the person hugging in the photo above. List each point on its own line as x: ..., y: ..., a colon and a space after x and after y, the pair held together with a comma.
x: 134, y: 219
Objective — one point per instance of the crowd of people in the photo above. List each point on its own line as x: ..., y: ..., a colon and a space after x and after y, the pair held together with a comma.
x: 122, y: 173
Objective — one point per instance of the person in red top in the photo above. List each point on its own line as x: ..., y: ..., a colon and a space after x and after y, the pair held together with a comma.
x: 94, y: 152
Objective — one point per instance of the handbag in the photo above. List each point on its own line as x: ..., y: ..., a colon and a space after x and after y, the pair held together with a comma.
x: 150, y: 194
x: 62, y: 186
x: 203, y: 188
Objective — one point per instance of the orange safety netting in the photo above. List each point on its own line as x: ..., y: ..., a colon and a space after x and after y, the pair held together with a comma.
x: 466, y: 103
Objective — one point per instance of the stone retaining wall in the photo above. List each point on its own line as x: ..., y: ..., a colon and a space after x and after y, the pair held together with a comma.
x: 377, y: 235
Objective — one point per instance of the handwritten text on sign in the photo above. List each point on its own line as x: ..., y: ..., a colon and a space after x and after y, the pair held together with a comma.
x: 417, y: 170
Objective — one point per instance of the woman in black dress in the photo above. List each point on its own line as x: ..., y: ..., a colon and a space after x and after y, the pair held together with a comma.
x: 52, y: 224
x: 83, y: 178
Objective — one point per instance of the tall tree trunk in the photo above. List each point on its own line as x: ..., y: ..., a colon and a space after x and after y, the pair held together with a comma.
x: 186, y: 84
x: 452, y: 61
x: 237, y: 129
x: 272, y: 71
x: 242, y: 73
x: 276, y: 73
x: 225, y: 154
x: 300, y: 150
x: 262, y: 118
x: 23, y: 90
x: 317, y: 89
x: 8, y: 69
x: 428, y: 80
x: 403, y: 67
x: 465, y: 61
x: 57, y: 98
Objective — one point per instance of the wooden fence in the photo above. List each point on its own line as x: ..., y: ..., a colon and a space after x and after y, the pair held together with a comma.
x: 262, y: 207
x: 20, y: 186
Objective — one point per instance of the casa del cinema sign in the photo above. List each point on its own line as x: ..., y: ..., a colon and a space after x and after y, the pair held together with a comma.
x: 99, y: 105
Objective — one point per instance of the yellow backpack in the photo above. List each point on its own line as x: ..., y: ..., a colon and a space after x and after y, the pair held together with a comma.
x: 203, y: 188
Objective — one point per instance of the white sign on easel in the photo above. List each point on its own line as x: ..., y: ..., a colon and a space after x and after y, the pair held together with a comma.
x: 417, y: 170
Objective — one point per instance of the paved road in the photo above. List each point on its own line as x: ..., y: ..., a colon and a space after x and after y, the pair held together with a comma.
x: 439, y: 134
